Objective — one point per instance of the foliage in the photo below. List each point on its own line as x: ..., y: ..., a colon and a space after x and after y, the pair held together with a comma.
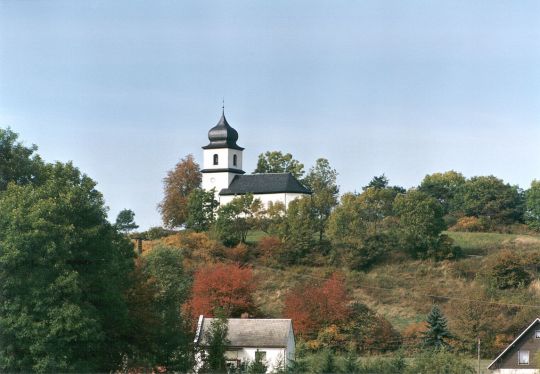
x: 444, y: 187
x: 63, y: 275
x: 329, y: 363
x: 364, y: 226
x: 277, y: 162
x: 298, y: 229
x: 315, y: 306
x: 420, y: 225
x: 258, y: 366
x: 225, y: 287
x: 18, y: 164
x: 507, y: 271
x: 236, y: 218
x: 532, y: 205
x: 468, y: 224
x: 177, y: 185
x: 492, y: 199
x: 201, y: 209
x: 154, y: 233
x: 437, y: 333
x: 125, y: 221
x: 395, y: 365
x: 216, y: 346
x: 322, y: 180
x: 167, y: 342
x: 382, y: 182
x: 439, y: 361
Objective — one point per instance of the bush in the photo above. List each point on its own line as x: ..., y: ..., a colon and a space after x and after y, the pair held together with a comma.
x: 507, y: 271
x: 468, y: 224
x: 439, y: 361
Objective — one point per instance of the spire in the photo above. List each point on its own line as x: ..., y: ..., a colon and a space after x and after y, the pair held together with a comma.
x: 222, y: 135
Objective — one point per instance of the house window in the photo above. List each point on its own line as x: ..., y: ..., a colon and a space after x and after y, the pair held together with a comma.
x: 523, y: 357
x: 537, y: 334
x: 216, y: 159
x: 234, y: 160
x: 260, y: 355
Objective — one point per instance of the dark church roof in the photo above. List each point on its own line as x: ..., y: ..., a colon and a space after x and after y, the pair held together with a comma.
x: 223, y: 135
x: 264, y: 183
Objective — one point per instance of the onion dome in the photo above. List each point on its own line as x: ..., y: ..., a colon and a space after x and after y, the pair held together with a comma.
x: 222, y: 135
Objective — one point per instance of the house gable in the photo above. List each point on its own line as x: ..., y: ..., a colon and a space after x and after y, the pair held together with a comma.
x: 527, y: 341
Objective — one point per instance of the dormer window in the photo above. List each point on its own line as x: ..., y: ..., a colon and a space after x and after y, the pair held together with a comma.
x: 216, y: 159
x: 234, y: 160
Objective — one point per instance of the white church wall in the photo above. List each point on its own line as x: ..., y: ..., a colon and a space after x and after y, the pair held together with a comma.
x: 216, y: 180
x: 284, y: 198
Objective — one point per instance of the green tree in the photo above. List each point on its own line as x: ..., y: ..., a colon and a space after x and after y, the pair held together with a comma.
x: 277, y: 162
x: 382, y: 182
x: 364, y: 225
x: 125, y: 221
x: 437, y: 333
x: 420, y: 226
x: 18, y: 164
x: 216, y: 346
x: 169, y: 285
x: 64, y: 271
x: 444, y: 187
x: 298, y: 229
x: 177, y: 185
x: 329, y: 365
x: 532, y: 205
x: 236, y: 218
x: 201, y: 209
x: 489, y: 198
x: 258, y: 366
x: 322, y: 180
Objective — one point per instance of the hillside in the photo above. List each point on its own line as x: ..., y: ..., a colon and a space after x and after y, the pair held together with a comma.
x: 403, y: 290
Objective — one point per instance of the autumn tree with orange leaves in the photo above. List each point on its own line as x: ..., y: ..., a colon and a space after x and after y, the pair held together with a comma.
x: 225, y: 287
x: 177, y: 185
x: 315, y: 306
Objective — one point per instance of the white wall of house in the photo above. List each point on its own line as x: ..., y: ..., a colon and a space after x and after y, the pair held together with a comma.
x: 284, y: 198
x: 275, y: 357
x: 516, y: 371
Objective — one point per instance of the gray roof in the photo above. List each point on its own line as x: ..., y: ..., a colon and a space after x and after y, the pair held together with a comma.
x: 250, y: 332
x: 264, y: 183
x: 222, y: 135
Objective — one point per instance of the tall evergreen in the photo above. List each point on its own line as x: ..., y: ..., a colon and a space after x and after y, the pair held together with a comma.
x: 437, y: 333
x: 216, y: 340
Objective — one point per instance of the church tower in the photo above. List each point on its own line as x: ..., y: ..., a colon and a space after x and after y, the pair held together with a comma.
x: 222, y: 157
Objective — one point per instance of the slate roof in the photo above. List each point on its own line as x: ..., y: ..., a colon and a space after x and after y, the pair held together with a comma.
x: 222, y: 135
x: 244, y: 332
x: 264, y: 184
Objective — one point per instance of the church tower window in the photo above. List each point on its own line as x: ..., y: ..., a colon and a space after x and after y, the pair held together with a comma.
x: 234, y: 160
x: 216, y: 159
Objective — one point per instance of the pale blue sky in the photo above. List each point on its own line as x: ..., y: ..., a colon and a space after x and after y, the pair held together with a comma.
x: 127, y: 88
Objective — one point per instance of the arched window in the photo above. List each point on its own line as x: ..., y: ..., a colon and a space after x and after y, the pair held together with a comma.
x: 234, y: 160
x: 215, y: 159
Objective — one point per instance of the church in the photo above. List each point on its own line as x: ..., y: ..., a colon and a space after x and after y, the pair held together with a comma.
x: 222, y: 170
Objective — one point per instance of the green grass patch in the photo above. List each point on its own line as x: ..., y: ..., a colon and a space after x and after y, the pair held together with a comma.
x: 480, y: 243
x: 254, y: 236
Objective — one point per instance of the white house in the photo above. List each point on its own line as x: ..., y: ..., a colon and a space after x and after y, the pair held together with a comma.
x: 520, y: 357
x: 272, y: 339
x: 222, y: 170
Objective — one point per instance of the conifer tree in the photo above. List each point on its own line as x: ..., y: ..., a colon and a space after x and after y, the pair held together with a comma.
x: 437, y: 333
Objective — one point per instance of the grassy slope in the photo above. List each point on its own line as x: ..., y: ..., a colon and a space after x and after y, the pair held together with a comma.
x: 402, y: 289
